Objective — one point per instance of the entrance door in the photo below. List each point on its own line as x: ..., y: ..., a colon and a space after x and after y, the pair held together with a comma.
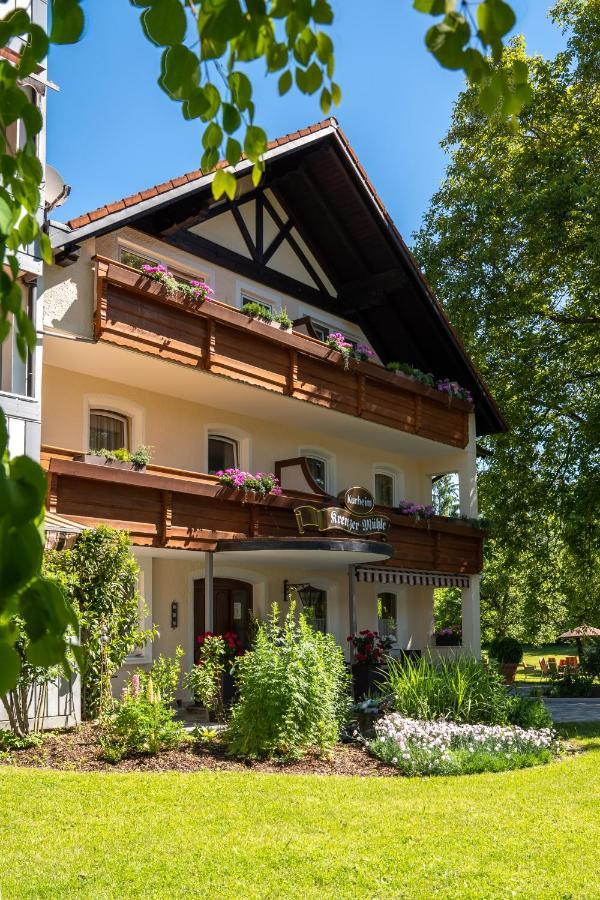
x: 231, y: 611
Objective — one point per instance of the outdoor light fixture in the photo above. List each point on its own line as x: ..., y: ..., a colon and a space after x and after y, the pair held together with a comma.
x: 304, y: 591
x: 174, y: 614
x: 296, y: 588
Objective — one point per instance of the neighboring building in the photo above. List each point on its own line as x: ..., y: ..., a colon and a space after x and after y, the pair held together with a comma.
x: 20, y: 380
x: 128, y: 364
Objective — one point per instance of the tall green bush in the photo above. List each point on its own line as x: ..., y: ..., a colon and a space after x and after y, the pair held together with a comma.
x: 99, y: 576
x: 463, y: 690
x: 293, y: 691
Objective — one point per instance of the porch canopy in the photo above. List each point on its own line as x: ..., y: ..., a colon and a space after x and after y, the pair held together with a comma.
x: 402, y: 576
x: 320, y: 553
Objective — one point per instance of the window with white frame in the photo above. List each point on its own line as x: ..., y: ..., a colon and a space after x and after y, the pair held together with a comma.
x: 386, y: 614
x: 223, y: 453
x: 320, y: 467
x: 134, y: 259
x: 385, y: 487
x: 108, y: 430
x: 247, y: 297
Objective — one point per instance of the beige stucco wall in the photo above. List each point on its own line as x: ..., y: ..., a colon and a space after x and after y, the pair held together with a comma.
x: 177, y: 430
x: 173, y: 576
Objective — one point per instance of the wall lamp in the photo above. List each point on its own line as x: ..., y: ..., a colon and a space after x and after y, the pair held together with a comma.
x: 174, y: 614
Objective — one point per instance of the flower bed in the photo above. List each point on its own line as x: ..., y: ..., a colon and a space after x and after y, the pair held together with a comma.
x: 418, y: 747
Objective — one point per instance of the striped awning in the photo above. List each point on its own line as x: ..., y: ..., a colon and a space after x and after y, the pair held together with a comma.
x: 401, y: 576
x: 61, y: 533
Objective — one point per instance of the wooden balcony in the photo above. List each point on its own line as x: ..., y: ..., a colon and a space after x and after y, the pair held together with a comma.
x: 191, y: 511
x: 137, y: 313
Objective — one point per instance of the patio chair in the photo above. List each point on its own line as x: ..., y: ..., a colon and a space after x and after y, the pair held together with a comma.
x: 544, y: 667
x: 552, y: 666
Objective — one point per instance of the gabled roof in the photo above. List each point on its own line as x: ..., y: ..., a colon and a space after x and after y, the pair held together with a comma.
x: 320, y: 183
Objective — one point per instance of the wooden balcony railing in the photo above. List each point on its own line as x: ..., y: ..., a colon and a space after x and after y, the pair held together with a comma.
x: 136, y: 312
x: 186, y: 510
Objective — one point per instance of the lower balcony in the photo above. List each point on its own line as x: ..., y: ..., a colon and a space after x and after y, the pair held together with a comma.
x: 167, y: 508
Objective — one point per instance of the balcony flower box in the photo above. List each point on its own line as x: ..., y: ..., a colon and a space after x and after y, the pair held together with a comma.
x: 118, y: 459
x: 448, y: 637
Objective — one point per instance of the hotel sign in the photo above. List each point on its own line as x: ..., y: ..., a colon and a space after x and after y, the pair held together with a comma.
x: 357, y: 518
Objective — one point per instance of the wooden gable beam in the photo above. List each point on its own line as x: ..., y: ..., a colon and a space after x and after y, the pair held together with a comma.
x: 295, y: 246
x: 248, y: 268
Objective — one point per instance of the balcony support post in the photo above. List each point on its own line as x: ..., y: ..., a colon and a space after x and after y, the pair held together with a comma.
x: 471, y: 618
x: 352, y: 617
x: 209, y: 590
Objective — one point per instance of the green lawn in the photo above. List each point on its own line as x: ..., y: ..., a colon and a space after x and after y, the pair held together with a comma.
x: 526, y: 834
x: 532, y: 656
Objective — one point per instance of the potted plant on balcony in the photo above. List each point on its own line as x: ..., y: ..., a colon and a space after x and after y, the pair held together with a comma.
x: 448, y: 637
x: 369, y: 650
x: 119, y: 458
x: 254, y: 486
x: 508, y: 653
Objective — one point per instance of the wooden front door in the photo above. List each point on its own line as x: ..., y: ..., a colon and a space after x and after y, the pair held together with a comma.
x: 231, y: 611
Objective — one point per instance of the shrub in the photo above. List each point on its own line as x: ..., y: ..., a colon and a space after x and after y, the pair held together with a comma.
x: 571, y: 684
x: 293, y: 691
x: 528, y: 712
x: 446, y: 748
x: 166, y: 674
x: 590, y: 662
x: 204, y: 680
x: 462, y: 690
x: 99, y: 576
x: 506, y: 650
x: 140, y: 724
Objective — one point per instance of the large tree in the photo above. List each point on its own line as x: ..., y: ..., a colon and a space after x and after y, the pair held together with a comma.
x: 511, y: 243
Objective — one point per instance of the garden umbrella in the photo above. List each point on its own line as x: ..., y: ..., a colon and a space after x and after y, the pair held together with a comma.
x: 580, y: 634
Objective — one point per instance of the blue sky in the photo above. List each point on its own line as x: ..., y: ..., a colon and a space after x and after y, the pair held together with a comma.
x: 111, y: 130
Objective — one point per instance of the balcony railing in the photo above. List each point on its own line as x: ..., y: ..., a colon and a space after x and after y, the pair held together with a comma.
x: 135, y: 312
x: 163, y: 507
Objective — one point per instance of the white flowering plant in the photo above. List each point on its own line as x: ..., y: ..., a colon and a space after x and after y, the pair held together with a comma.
x: 419, y: 747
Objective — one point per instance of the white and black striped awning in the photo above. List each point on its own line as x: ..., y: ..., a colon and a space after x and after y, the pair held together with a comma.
x: 401, y: 576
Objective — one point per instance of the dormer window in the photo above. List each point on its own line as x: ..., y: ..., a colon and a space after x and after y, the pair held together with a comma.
x: 223, y: 453
x: 108, y: 430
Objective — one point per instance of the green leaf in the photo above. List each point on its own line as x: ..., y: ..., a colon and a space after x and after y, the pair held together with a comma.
x: 447, y: 39
x: 179, y: 72
x: 277, y: 57
x: 21, y: 554
x: 520, y: 71
x: 231, y: 118
x: 209, y: 160
x: 3, y: 437
x: 488, y: 99
x: 241, y: 89
x: 214, y: 102
x: 224, y: 183
x: 34, y: 51
x: 164, y: 23
x: 10, y: 666
x: 336, y: 93
x: 325, y: 101
x: 255, y: 142
x: 29, y: 486
x: 322, y: 12
x: 284, y: 83
x: 233, y: 151
x: 432, y: 7
x: 6, y: 216
x: 257, y: 172
x: 304, y: 46
x: 67, y: 21
x: 14, y: 24
x: 324, y: 49
x: 46, y: 652
x: 476, y: 66
x: 494, y: 19
x: 32, y: 119
x: 227, y: 24
x: 212, y: 137
x: 309, y: 80
x: 281, y: 8
x: 28, y: 229
x: 45, y: 248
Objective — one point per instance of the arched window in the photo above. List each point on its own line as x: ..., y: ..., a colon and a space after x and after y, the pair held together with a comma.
x: 387, y: 484
x: 314, y: 603
x: 386, y: 613
x: 108, y: 430
x: 223, y: 453
x: 321, y: 467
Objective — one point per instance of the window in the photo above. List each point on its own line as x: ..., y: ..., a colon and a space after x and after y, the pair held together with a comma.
x: 318, y: 469
x: 135, y: 260
x: 384, y: 489
x: 321, y: 331
x: 108, y: 430
x: 386, y: 614
x: 314, y: 602
x: 249, y: 298
x: 222, y: 453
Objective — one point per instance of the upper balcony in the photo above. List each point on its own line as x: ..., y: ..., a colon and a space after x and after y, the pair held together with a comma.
x: 136, y: 312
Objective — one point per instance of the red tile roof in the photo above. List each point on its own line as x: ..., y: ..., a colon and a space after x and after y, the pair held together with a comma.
x: 109, y: 208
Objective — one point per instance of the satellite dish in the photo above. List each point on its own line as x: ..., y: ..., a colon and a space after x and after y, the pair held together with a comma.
x: 56, y: 191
